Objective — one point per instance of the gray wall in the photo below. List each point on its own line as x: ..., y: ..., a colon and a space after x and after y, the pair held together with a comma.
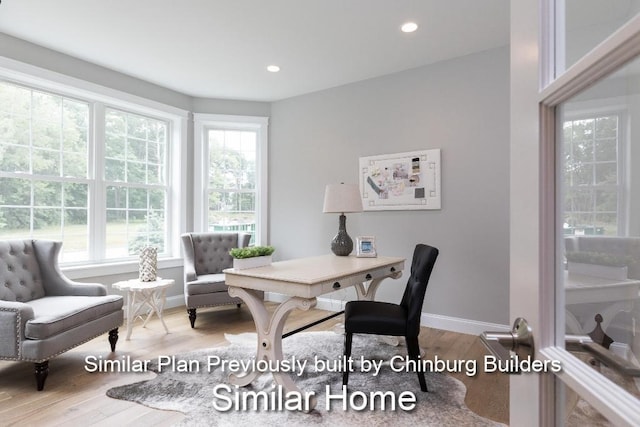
x: 460, y: 106
x: 229, y: 106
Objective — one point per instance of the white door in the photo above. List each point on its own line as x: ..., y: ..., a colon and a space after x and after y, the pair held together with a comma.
x: 575, y: 196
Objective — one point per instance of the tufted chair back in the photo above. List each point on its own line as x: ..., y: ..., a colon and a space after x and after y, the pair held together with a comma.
x: 424, y: 258
x: 206, y: 255
x: 211, y: 250
x: 20, y: 276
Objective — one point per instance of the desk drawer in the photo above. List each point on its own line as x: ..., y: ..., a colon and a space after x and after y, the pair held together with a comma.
x: 352, y: 280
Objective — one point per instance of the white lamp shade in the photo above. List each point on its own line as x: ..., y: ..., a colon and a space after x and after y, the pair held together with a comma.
x: 342, y: 198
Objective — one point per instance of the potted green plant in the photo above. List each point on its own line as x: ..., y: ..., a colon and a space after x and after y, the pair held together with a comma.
x: 251, y: 256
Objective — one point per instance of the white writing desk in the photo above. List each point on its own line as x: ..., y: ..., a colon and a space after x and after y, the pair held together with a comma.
x: 302, y: 280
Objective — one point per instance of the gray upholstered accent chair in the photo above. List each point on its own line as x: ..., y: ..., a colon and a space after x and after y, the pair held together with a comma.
x: 43, y: 313
x: 205, y: 256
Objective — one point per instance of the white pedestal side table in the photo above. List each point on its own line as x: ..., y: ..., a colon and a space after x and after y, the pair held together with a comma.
x: 144, y: 299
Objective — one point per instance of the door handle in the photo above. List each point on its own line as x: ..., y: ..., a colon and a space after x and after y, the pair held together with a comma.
x: 500, y: 344
x: 604, y: 355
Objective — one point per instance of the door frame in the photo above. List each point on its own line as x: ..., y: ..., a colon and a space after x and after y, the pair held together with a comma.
x: 533, y: 265
x: 611, y: 401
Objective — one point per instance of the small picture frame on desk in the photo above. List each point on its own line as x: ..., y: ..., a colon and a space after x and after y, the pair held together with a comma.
x: 366, y: 247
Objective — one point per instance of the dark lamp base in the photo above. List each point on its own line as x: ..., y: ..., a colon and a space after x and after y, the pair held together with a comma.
x: 342, y: 245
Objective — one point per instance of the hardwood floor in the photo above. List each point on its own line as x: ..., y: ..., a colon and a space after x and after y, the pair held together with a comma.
x: 73, y: 396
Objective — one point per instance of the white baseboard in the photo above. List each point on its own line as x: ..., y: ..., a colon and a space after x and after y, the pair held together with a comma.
x: 437, y: 321
x: 174, y: 301
x: 456, y: 324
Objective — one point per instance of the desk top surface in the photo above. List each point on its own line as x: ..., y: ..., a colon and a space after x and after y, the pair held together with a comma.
x: 317, y: 269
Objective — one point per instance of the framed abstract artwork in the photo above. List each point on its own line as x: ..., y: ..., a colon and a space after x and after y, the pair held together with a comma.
x: 402, y: 181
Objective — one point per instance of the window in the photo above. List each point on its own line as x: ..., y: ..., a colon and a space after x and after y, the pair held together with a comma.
x: 84, y: 172
x: 233, y: 169
x: 44, y: 185
x: 136, y: 184
x: 593, y: 188
x: 232, y: 180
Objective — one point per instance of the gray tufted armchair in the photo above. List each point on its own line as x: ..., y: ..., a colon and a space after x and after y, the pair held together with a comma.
x: 42, y: 313
x: 205, y: 256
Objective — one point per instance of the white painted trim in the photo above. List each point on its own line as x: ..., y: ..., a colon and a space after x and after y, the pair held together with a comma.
x: 530, y: 395
x: 112, y: 268
x: 615, y: 403
x: 178, y: 194
x: 260, y: 125
x: 98, y: 197
x: 550, y: 44
x: 176, y: 301
x: 200, y: 160
x: 437, y: 321
x: 610, y: 55
x: 457, y: 324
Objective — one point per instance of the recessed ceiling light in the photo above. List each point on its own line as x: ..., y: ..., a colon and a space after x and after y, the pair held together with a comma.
x: 273, y: 68
x: 409, y: 27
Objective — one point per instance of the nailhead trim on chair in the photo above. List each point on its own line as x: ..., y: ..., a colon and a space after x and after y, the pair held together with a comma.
x: 61, y: 351
x: 217, y: 305
x: 18, y: 323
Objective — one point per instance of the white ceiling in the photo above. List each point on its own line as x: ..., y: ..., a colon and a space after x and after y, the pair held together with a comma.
x: 220, y: 48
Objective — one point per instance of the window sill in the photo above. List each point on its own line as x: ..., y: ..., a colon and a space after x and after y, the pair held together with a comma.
x: 110, y: 269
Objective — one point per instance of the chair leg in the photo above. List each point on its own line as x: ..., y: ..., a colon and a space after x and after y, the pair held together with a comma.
x: 42, y: 370
x: 348, y: 338
x: 413, y: 349
x: 192, y: 316
x: 113, y: 338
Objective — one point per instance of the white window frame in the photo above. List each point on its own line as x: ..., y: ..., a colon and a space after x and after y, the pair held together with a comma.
x: 202, y: 124
x: 46, y: 80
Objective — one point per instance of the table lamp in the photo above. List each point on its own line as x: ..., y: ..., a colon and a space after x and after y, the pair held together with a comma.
x: 342, y: 198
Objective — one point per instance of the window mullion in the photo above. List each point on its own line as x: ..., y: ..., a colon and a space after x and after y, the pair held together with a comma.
x: 97, y: 193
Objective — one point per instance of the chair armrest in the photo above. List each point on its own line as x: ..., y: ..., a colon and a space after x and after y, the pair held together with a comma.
x: 189, y: 273
x: 189, y: 259
x: 69, y: 287
x: 13, y: 317
x: 56, y: 283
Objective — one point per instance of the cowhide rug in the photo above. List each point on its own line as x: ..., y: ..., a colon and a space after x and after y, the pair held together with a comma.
x: 192, y: 392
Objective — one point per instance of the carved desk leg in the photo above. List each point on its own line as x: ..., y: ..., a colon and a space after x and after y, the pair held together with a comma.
x: 269, y: 329
x: 369, y: 293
